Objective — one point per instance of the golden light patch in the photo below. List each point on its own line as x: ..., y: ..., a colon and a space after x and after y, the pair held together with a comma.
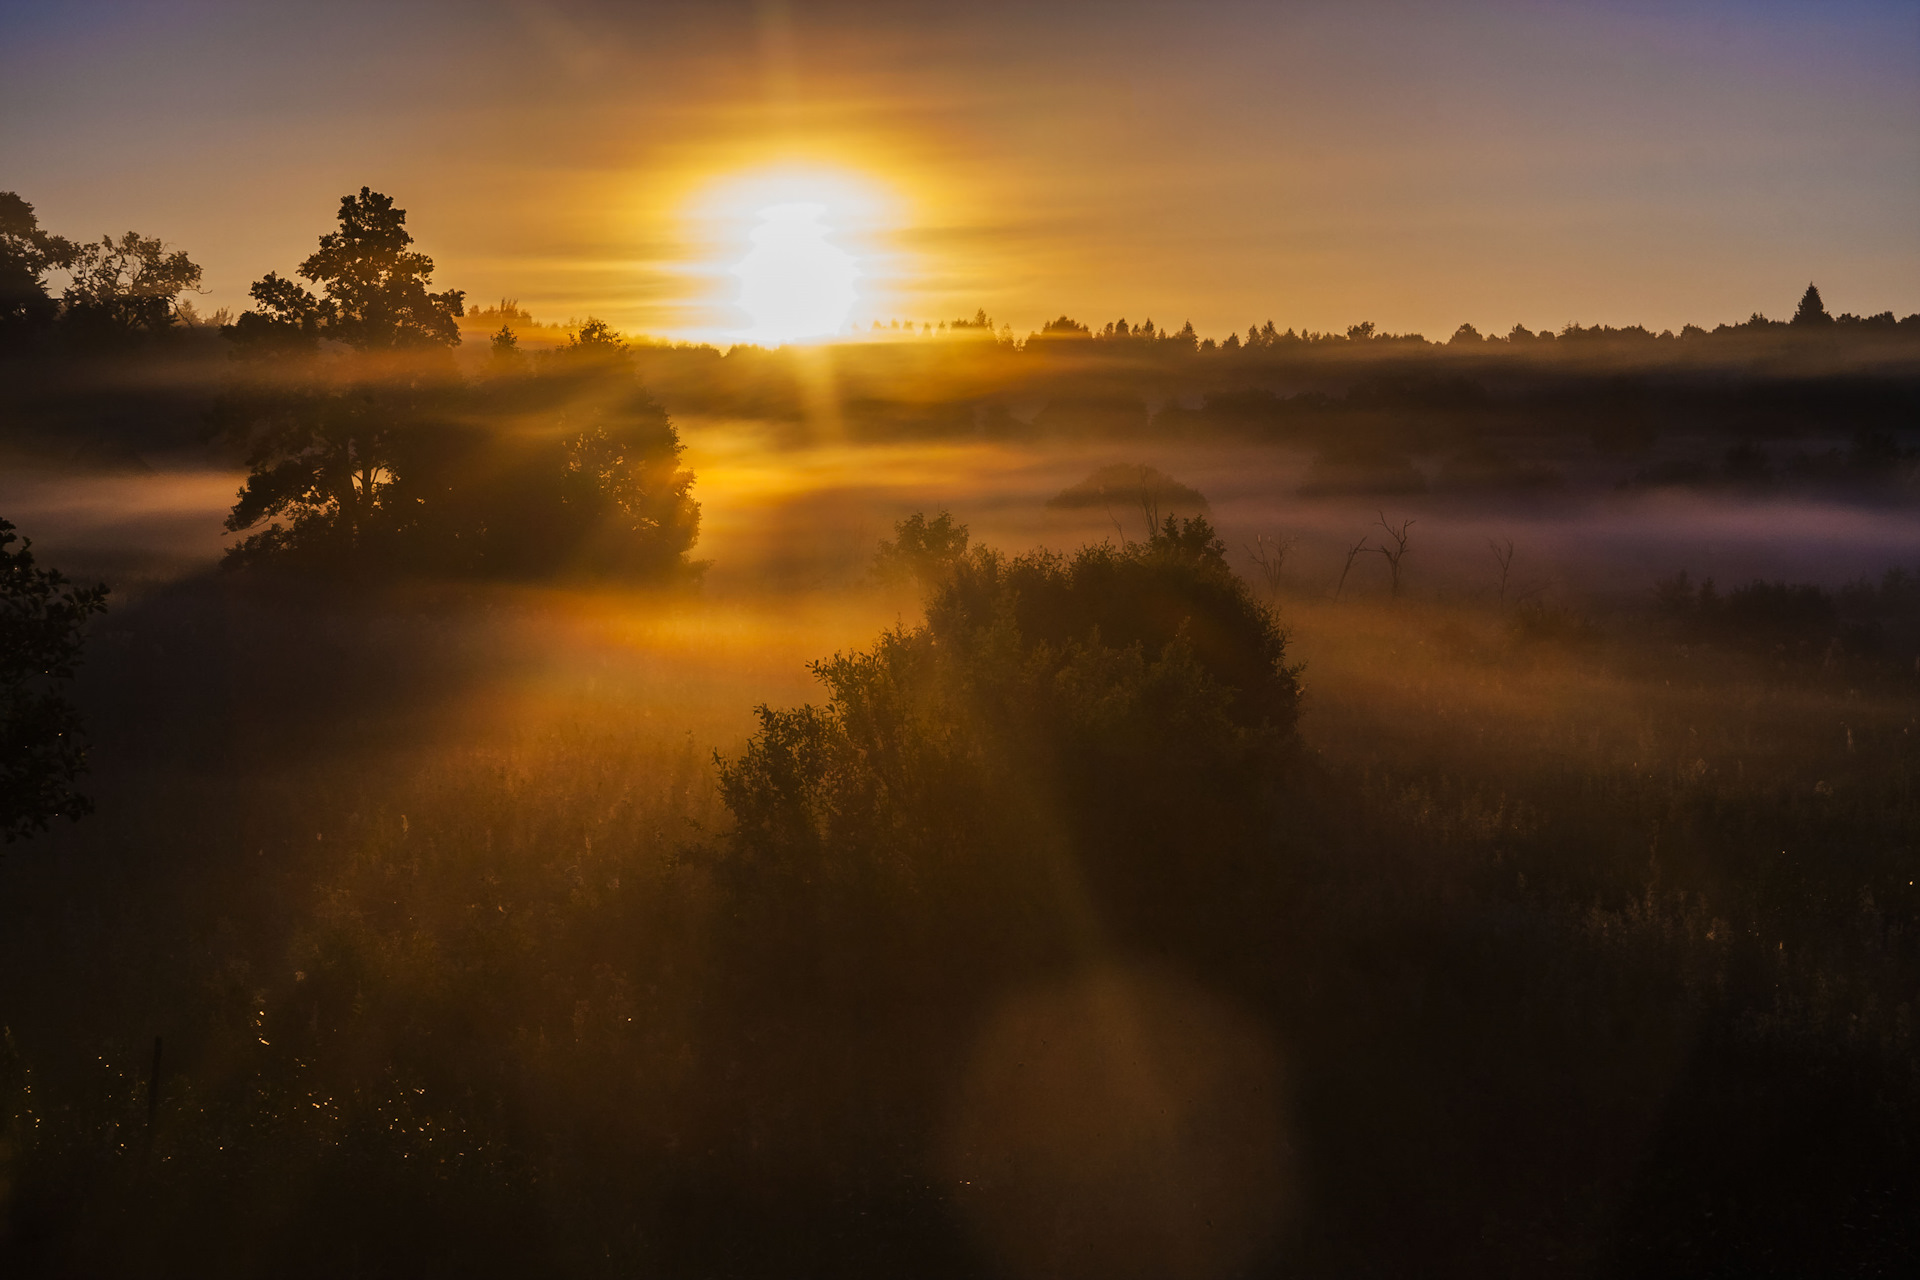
x: 792, y: 251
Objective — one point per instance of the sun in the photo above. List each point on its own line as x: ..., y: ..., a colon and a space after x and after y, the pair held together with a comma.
x: 796, y: 282
x: 787, y: 253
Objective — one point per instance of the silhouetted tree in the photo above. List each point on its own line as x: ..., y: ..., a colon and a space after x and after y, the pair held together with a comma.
x: 27, y: 254
x: 324, y: 444
x: 322, y: 465
x: 1393, y: 554
x: 1269, y: 556
x: 572, y: 469
x: 42, y: 747
x: 1812, y: 312
x: 504, y: 350
x: 376, y: 287
x: 126, y: 287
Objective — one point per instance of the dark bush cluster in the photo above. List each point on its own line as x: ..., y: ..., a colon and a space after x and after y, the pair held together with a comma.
x: 1121, y: 712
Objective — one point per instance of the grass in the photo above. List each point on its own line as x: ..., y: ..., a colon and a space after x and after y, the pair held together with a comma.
x: 1580, y: 951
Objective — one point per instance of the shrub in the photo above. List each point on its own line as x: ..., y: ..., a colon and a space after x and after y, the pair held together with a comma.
x: 1123, y: 710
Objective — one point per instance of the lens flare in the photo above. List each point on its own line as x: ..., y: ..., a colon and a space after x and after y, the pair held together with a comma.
x: 795, y: 283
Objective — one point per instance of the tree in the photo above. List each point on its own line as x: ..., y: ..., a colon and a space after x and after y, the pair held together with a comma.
x: 321, y: 471
x: 324, y: 449
x: 1393, y: 554
x: 376, y: 287
x: 921, y: 551
x: 126, y: 287
x: 1269, y: 556
x: 42, y: 748
x: 27, y: 254
x: 572, y: 469
x: 504, y: 353
x: 287, y: 320
x: 1812, y: 313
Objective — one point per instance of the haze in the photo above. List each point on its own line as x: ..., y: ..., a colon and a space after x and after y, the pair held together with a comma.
x: 1313, y: 164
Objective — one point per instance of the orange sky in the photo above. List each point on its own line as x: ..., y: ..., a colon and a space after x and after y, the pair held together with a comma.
x: 1316, y: 164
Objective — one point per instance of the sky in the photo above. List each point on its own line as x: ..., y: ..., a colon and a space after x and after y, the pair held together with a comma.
x: 1317, y: 164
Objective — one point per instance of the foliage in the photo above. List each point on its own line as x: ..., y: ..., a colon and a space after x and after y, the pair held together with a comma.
x: 572, y: 469
x: 1123, y: 709
x: 921, y: 551
x: 322, y: 459
x: 1812, y: 312
x: 1605, y: 957
x: 27, y: 254
x: 125, y: 288
x: 376, y: 289
x: 380, y: 458
x: 42, y: 746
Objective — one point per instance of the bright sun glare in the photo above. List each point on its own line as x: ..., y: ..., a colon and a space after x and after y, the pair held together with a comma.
x: 795, y: 283
x: 789, y: 251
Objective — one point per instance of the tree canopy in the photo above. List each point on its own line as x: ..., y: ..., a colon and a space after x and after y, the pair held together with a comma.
x: 42, y: 747
x: 376, y: 289
x: 126, y: 287
x: 27, y: 254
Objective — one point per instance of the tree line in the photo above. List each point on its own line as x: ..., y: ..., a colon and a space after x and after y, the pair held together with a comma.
x: 120, y: 290
x: 1810, y: 317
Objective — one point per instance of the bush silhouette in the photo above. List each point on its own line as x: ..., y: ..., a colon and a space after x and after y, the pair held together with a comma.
x: 1115, y: 717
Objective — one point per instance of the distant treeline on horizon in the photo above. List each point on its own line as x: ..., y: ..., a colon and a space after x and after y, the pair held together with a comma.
x: 123, y: 290
x: 1810, y: 317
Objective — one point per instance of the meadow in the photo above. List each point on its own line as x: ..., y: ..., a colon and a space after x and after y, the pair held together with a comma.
x: 410, y: 935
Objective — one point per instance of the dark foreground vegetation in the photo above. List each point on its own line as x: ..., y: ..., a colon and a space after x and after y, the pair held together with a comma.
x: 1063, y: 937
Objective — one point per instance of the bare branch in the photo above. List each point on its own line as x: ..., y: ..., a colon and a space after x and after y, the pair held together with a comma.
x: 1269, y: 555
x: 1353, y: 553
x: 1397, y: 551
x: 1502, y: 549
